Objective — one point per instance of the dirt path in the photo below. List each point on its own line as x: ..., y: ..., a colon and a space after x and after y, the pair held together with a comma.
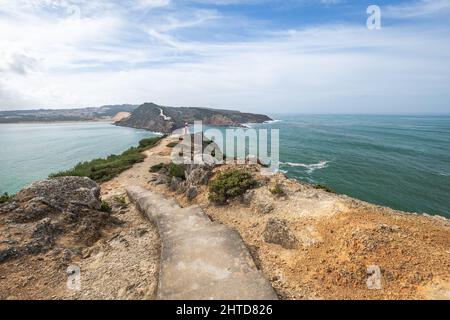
x: 125, y: 263
x: 139, y: 174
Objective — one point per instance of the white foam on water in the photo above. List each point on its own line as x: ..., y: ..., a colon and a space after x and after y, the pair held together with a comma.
x: 271, y: 121
x: 310, y: 168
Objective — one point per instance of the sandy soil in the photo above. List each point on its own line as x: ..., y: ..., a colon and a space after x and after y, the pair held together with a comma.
x: 120, y: 116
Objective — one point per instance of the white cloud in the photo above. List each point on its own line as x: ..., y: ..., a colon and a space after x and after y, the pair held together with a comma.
x: 51, y: 59
x: 153, y: 3
x: 421, y: 8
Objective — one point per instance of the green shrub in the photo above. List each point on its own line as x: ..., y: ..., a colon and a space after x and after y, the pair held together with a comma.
x: 157, y: 167
x: 102, y: 170
x: 105, y: 169
x: 324, y: 187
x: 105, y: 207
x: 277, y: 190
x: 4, y: 198
x: 147, y: 143
x: 172, y: 144
x: 177, y: 170
x: 230, y: 184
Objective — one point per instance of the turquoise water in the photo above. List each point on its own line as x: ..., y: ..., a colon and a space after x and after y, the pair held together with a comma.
x: 398, y: 161
x: 30, y: 152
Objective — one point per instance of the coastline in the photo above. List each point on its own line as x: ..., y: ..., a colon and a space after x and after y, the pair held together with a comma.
x: 61, y: 122
x: 332, y: 230
x: 337, y: 240
x: 109, y: 121
x: 33, y: 151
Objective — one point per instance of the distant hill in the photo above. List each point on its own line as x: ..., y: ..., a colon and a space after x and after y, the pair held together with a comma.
x: 79, y: 114
x: 157, y: 118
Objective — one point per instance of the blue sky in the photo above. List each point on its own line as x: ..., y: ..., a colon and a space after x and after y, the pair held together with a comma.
x: 306, y: 56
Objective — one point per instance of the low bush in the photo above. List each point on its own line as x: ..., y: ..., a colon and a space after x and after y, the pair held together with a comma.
x: 324, y: 187
x: 230, y: 184
x: 147, y: 143
x: 172, y: 144
x: 277, y: 190
x: 4, y: 198
x: 157, y: 167
x: 177, y: 170
x: 105, y: 169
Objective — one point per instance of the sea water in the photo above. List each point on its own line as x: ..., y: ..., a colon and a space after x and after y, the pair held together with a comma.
x: 30, y: 152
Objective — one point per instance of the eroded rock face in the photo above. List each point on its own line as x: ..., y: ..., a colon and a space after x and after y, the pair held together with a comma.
x: 60, y: 212
x: 277, y: 232
x: 191, y: 193
x: 61, y: 194
x: 197, y: 175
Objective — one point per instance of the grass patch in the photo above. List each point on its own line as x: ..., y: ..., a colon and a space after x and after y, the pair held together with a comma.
x: 324, y: 187
x: 277, y: 191
x: 230, y: 184
x: 177, y: 170
x: 105, y: 169
x: 4, y: 198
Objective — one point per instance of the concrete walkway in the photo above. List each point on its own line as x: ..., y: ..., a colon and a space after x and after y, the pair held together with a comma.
x: 200, y: 259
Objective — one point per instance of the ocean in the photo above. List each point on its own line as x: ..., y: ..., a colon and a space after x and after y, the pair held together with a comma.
x: 30, y: 152
x: 402, y: 162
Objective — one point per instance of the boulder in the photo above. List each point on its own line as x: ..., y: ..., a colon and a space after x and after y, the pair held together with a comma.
x: 248, y: 197
x: 161, y: 179
x: 264, y: 206
x: 197, y: 175
x: 277, y: 232
x: 177, y: 185
x: 65, y: 208
x: 191, y: 193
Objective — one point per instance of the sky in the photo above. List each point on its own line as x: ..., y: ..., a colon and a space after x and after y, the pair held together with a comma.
x: 293, y: 56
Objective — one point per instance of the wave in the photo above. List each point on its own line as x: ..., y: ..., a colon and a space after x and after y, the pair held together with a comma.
x: 157, y: 133
x: 310, y: 168
x: 271, y: 121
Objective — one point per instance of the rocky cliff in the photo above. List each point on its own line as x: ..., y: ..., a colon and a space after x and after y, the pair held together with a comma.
x: 157, y: 118
x: 52, y: 227
x: 63, y: 212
